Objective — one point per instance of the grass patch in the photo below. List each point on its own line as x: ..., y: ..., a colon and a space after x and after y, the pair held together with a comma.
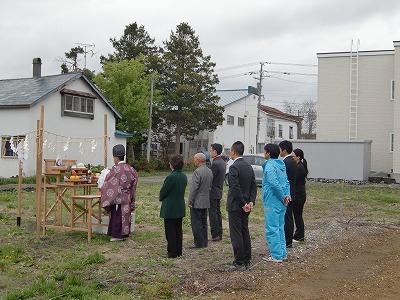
x: 70, y: 268
x: 94, y: 259
x: 14, y: 180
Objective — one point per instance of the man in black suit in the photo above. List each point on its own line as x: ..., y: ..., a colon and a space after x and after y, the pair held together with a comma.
x: 286, y: 149
x: 218, y: 168
x: 241, y: 198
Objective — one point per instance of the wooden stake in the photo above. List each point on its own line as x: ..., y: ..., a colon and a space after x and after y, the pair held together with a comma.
x: 39, y: 171
x: 20, y: 167
x: 105, y: 141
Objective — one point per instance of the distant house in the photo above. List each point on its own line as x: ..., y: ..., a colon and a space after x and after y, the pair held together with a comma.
x: 358, y: 99
x: 74, y: 119
x: 240, y: 124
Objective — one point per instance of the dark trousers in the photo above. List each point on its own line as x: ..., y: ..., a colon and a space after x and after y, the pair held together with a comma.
x: 240, y: 236
x: 115, y: 223
x: 298, y: 217
x: 289, y: 225
x: 214, y: 214
x: 173, y: 234
x: 198, y: 219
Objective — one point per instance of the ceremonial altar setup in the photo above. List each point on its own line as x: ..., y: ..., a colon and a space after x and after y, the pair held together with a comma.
x: 67, y: 192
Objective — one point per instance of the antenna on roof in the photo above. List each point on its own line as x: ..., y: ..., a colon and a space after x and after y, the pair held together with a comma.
x: 85, y: 49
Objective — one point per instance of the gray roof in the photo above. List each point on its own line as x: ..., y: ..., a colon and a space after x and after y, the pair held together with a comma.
x: 25, y: 92
x: 229, y: 96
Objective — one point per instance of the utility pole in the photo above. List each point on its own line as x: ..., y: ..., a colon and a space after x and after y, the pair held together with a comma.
x: 259, y: 85
x: 150, y: 116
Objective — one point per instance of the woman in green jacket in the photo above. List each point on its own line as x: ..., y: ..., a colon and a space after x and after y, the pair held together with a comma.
x: 173, y: 206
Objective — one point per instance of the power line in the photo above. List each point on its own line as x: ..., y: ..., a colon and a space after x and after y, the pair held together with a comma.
x: 236, y: 67
x: 266, y: 62
x: 235, y: 75
x: 291, y: 73
x: 290, y: 64
x: 294, y: 81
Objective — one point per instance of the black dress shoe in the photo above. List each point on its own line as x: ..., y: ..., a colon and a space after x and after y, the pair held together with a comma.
x: 235, y: 267
x: 216, y: 239
x: 289, y: 246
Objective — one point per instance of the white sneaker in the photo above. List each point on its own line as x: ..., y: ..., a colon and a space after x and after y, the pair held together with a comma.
x: 116, y: 239
x: 271, y: 259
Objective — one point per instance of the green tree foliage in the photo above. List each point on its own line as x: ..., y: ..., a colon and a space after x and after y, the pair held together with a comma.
x: 187, y: 83
x: 131, y: 44
x: 72, y: 56
x: 127, y: 86
x: 70, y: 62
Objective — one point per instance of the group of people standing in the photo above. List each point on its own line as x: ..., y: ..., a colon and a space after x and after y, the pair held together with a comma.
x: 283, y: 199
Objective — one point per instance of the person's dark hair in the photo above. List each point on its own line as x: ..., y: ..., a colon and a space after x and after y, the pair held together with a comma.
x: 121, y: 158
x: 272, y: 149
x: 286, y: 145
x: 176, y: 162
x: 238, y: 147
x: 217, y: 148
x: 299, y: 153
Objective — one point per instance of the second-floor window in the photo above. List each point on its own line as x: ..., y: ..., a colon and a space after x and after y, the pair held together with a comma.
x: 291, y: 132
x: 270, y: 127
x: 240, y: 122
x: 280, y: 130
x: 230, y: 120
x: 77, y: 104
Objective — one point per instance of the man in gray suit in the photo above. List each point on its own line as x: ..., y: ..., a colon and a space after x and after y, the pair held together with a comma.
x: 199, y: 200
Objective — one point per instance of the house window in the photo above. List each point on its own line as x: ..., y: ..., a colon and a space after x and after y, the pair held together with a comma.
x: 240, y: 122
x: 6, y: 151
x: 291, y: 132
x: 77, y: 106
x: 230, y: 120
x: 391, y: 142
x: 270, y: 127
x: 392, y: 90
x: 280, y: 131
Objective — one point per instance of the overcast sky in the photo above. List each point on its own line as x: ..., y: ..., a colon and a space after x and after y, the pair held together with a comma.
x: 232, y: 32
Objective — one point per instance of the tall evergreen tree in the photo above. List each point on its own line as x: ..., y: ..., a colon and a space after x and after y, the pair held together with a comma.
x: 131, y: 44
x: 187, y: 83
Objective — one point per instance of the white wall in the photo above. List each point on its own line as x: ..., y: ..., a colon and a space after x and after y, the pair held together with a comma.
x: 337, y: 159
x: 19, y: 121
x: 396, y: 113
x: 285, y: 129
x: 375, y: 109
x: 228, y: 134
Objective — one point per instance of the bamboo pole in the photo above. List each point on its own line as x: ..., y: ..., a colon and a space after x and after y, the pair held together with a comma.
x: 20, y: 167
x: 105, y: 141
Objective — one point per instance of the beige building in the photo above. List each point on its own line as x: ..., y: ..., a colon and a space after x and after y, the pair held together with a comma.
x: 359, y: 99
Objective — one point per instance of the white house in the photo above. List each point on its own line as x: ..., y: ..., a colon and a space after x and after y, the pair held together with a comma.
x: 359, y: 99
x: 74, y: 112
x: 240, y: 124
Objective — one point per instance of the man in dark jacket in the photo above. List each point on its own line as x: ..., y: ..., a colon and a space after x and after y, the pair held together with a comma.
x: 218, y: 168
x: 241, y: 198
x: 286, y: 149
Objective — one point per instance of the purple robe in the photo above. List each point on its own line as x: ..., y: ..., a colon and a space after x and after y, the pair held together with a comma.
x: 118, y: 198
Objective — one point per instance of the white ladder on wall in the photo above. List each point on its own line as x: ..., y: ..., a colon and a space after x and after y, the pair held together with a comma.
x: 353, y: 90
